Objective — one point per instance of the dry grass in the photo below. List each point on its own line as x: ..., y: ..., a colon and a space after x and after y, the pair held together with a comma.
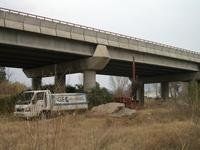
x: 159, y: 126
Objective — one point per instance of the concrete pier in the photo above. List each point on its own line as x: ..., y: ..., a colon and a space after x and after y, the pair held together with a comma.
x: 164, y: 90
x: 194, y: 90
x: 140, y: 93
x: 89, y: 80
x: 36, y: 83
x: 60, y: 83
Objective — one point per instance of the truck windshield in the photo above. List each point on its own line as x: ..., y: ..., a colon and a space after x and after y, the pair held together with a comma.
x: 25, y: 98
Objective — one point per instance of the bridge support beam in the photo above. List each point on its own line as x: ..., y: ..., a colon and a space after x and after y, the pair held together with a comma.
x: 89, y: 80
x: 164, y: 90
x: 60, y: 83
x: 97, y: 62
x: 140, y: 93
x: 36, y: 83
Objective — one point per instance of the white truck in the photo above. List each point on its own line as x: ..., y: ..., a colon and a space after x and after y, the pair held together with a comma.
x: 41, y: 103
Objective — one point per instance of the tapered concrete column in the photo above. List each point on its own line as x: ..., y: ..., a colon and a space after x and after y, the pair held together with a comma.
x: 60, y: 83
x: 89, y: 80
x: 36, y: 83
x: 164, y: 90
x: 140, y: 93
x: 194, y: 90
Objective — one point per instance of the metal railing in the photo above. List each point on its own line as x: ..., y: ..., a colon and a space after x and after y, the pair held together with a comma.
x: 99, y: 30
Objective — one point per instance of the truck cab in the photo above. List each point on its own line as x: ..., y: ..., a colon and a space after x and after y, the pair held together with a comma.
x: 32, y: 103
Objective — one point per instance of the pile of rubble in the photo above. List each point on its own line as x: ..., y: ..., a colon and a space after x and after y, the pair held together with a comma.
x: 113, y: 109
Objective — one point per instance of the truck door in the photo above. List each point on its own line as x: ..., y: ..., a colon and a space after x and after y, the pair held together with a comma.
x: 39, y: 102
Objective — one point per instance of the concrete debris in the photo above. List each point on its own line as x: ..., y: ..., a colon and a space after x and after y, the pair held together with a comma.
x: 113, y: 109
x: 108, y: 108
x: 124, y: 112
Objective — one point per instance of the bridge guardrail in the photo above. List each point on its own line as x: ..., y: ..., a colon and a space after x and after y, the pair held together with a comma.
x: 176, y: 49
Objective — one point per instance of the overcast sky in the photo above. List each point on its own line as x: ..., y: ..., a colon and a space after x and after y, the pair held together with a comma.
x: 174, y: 22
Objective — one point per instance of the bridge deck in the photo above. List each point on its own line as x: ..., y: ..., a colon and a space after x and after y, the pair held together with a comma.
x: 43, y: 25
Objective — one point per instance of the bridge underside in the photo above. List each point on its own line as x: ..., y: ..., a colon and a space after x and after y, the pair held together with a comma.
x: 27, y: 58
x: 23, y: 57
x: 123, y: 68
x: 71, y: 57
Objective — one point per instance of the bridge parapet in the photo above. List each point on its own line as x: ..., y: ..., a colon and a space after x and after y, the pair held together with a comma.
x: 44, y: 25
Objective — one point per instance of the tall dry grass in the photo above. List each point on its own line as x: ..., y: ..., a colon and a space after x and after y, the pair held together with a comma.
x: 159, y: 126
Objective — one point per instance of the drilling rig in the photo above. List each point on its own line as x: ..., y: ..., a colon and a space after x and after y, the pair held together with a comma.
x: 131, y: 101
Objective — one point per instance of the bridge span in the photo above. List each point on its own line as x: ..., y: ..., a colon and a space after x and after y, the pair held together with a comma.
x: 48, y: 47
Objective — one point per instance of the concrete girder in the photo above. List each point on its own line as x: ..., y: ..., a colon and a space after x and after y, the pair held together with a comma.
x: 44, y: 42
x: 185, y: 77
x: 144, y: 58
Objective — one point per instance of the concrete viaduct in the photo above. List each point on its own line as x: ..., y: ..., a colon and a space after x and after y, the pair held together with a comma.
x: 47, y: 47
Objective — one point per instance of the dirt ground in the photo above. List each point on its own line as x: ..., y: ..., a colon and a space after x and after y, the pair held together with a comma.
x: 157, y: 126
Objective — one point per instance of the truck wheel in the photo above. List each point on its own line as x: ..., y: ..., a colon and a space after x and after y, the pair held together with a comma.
x: 42, y: 116
x: 48, y: 114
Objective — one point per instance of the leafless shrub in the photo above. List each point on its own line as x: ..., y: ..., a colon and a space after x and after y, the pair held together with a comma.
x: 7, y: 88
x: 121, y: 86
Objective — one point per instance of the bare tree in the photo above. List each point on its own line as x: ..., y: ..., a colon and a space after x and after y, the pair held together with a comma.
x: 175, y: 89
x: 148, y: 90
x: 156, y: 86
x: 121, y: 86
